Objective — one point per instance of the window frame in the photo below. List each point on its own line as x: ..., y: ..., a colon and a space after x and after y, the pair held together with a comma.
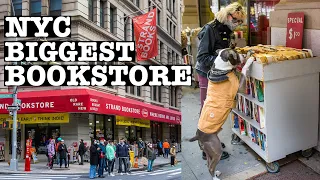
x: 14, y: 5
x: 30, y: 8
x: 102, y: 15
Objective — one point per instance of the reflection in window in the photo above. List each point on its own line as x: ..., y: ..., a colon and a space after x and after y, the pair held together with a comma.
x: 35, y: 8
x: 90, y: 9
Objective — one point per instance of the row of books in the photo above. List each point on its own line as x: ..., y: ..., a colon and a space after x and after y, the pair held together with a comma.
x: 255, y: 88
x: 251, y: 110
x: 246, y: 129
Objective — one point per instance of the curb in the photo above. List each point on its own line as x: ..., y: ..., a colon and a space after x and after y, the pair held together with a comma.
x: 67, y: 173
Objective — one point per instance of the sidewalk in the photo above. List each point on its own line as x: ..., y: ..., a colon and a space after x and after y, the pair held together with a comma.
x: 40, y: 168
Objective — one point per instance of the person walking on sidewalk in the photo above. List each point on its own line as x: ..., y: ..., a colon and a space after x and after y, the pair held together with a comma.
x: 94, y: 159
x: 51, y: 153
x: 102, y: 158
x: 123, y: 154
x: 166, y: 147
x: 110, y: 153
x: 159, y: 146
x: 173, y: 153
x: 82, y: 150
x: 63, y: 153
x: 142, y: 147
x: 151, y: 155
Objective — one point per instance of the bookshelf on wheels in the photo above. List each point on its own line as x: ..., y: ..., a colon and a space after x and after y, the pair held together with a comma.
x: 277, y: 113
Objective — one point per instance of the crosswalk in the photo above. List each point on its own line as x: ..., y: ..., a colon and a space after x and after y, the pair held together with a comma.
x: 168, y: 172
x: 38, y: 177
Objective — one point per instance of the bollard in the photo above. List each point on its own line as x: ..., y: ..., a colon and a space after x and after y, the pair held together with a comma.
x: 27, y: 163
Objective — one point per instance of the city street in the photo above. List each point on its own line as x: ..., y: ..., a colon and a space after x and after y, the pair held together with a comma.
x: 163, y: 173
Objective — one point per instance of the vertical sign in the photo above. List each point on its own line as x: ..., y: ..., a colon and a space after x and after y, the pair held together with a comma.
x: 295, y: 23
x: 145, y: 32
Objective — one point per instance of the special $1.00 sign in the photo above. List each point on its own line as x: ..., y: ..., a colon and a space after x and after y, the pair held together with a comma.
x: 295, y: 25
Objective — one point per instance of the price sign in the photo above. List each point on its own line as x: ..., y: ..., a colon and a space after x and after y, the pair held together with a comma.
x: 295, y: 23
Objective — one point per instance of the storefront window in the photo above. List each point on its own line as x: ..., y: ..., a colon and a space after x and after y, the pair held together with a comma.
x: 173, y: 133
x: 259, y: 20
x: 156, y: 131
x: 99, y: 126
x: 109, y: 127
x: 91, y: 126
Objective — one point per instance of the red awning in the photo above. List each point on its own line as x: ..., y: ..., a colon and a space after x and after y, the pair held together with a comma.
x: 89, y: 101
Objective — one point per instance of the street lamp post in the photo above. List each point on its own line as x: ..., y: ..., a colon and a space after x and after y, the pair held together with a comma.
x: 13, y: 161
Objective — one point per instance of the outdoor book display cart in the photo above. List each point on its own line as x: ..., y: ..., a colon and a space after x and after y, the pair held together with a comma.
x: 276, y: 114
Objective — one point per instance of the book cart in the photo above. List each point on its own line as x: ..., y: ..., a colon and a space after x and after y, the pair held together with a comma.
x: 278, y: 112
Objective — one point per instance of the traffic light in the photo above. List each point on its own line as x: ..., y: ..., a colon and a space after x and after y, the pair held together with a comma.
x: 5, y: 124
x: 18, y: 125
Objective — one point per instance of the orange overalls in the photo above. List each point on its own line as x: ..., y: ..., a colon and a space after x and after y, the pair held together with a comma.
x: 218, y: 104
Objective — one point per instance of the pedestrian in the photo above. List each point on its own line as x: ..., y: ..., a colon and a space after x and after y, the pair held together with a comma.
x: 106, y: 160
x: 159, y: 146
x: 166, y: 147
x: 122, y: 154
x: 63, y: 153
x: 110, y: 153
x: 102, y: 158
x: 151, y: 155
x: 173, y: 154
x: 82, y: 151
x: 141, y: 146
x: 115, y: 160
x: 94, y: 159
x: 57, y: 150
x: 51, y: 152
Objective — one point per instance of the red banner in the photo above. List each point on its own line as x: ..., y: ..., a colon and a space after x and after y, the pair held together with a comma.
x: 295, y: 25
x: 89, y: 101
x: 145, y: 32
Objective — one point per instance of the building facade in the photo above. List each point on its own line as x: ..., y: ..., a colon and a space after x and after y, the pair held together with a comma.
x: 77, y: 113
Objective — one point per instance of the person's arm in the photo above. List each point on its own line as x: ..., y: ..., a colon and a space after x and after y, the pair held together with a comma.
x: 206, y: 53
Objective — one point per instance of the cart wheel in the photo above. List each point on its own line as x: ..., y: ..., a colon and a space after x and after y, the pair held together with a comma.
x: 273, y: 167
x: 307, y: 153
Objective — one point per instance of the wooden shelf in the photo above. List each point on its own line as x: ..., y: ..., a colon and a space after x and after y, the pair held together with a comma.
x: 251, y: 144
x: 249, y: 120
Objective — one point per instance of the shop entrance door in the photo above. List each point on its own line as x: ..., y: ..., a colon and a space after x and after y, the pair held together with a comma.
x: 40, y: 134
x: 156, y: 131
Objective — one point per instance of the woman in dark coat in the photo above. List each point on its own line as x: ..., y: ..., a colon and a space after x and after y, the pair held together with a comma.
x: 94, y: 159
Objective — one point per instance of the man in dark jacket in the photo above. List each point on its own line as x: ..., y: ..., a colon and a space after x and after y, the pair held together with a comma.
x: 82, y: 150
x: 123, y: 154
x: 217, y: 34
x: 94, y: 159
x: 63, y: 153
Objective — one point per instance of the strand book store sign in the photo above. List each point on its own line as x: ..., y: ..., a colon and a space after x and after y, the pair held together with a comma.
x: 38, y: 118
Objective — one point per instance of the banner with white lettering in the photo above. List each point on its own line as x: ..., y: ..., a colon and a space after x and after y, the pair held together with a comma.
x: 145, y: 32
